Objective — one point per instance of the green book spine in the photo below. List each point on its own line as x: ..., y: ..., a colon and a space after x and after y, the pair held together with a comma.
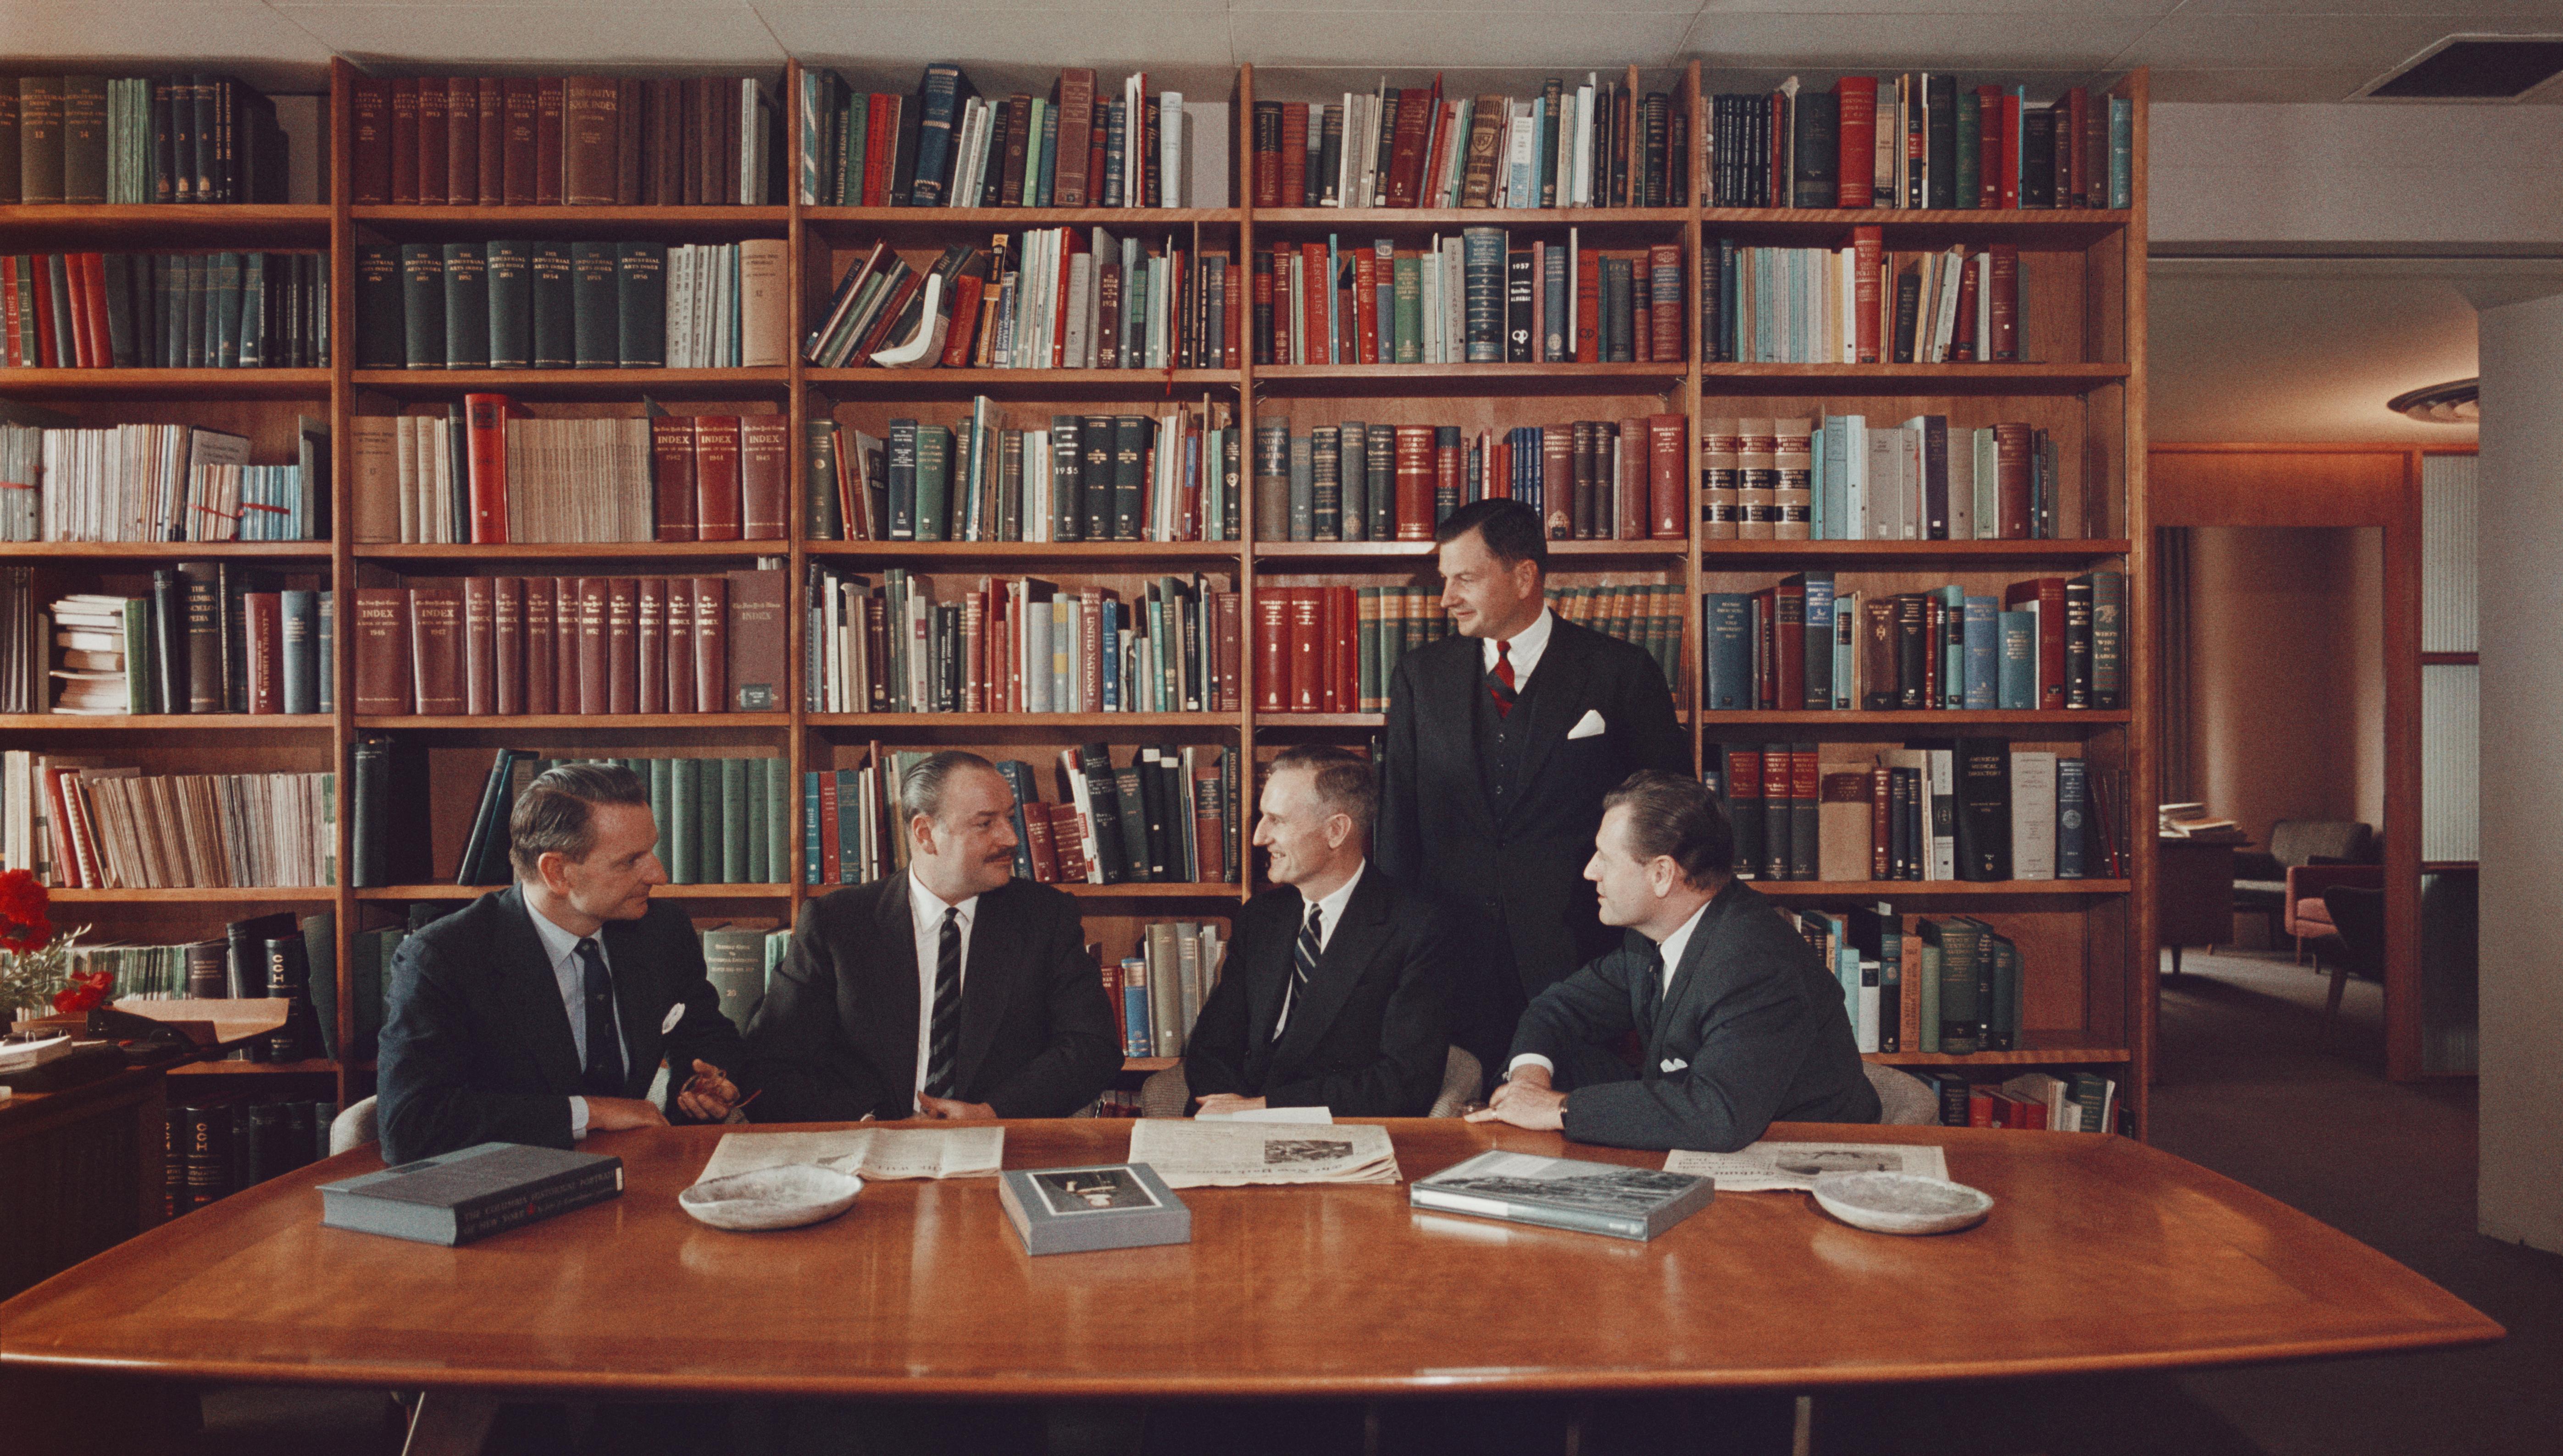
x: 223, y: 336
x: 732, y: 819
x: 1409, y: 291
x: 778, y: 819
x: 659, y: 774
x: 467, y: 306
x: 137, y: 655
x: 555, y: 310
x: 1129, y: 474
x: 684, y: 832
x: 933, y: 481
x: 2004, y: 1022
x: 1970, y: 150
x: 760, y: 853
x: 1372, y: 670
x: 858, y: 132
x: 512, y: 305
x: 641, y: 305
x: 825, y: 518
x: 1928, y: 986
x: 595, y: 306
x: 253, y: 308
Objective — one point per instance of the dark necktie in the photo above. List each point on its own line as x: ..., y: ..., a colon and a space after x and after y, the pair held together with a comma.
x: 944, y: 1032
x: 1499, y: 683
x: 1303, y: 965
x: 604, y: 1074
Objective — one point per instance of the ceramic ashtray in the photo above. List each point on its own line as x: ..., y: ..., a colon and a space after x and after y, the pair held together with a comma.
x: 1901, y: 1202
x: 787, y: 1196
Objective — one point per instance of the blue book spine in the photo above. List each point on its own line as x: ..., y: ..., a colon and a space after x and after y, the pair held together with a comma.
x: 1730, y: 654
x: 1984, y: 644
x: 2072, y: 813
x: 1483, y: 281
x: 2015, y: 675
x: 1110, y: 119
x: 2122, y: 152
x: 940, y: 97
x: 1113, y: 656
x: 1846, y: 968
x: 1049, y: 155
x: 1135, y: 1040
x: 1336, y: 324
x: 1820, y: 639
x: 1953, y: 648
x: 1820, y: 467
x: 810, y: 836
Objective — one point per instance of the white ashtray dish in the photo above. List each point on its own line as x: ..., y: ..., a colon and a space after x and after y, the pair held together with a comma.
x: 787, y: 1196
x: 1901, y: 1202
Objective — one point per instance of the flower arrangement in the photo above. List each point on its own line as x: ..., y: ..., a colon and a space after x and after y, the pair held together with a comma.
x: 34, y: 962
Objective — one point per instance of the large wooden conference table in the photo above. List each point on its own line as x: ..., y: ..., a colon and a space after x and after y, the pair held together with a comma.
x: 2101, y: 1254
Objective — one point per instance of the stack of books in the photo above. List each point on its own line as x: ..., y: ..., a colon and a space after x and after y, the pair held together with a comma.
x: 1598, y: 144
x: 1161, y: 990
x: 1085, y: 477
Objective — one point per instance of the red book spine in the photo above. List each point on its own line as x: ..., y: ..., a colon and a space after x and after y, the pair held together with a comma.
x: 1857, y: 135
x: 1588, y: 306
x: 1667, y: 452
x: 404, y: 140
x: 1273, y: 651
x: 1335, y: 635
x: 480, y: 645
x: 712, y: 644
x: 47, y: 333
x: 680, y: 646
x: 486, y: 425
x: 1867, y: 246
x: 370, y: 114
x: 490, y: 98
x: 1789, y: 644
x: 432, y: 96
x: 507, y: 628
x: 1989, y: 167
x: 76, y: 271
x: 2010, y: 151
x: 1308, y: 649
x: 650, y: 628
x: 2002, y: 276
x: 965, y: 318
x: 565, y: 644
x: 263, y: 629
x: 101, y: 343
x: 547, y: 141
x: 543, y: 679
x: 11, y: 318
x: 831, y: 846
x: 1295, y: 155
x: 764, y: 472
x: 1641, y: 308
x: 1766, y: 650
x: 461, y: 140
x: 1962, y: 339
x: 622, y: 645
x: 1414, y: 480
x: 594, y: 691
x: 717, y: 507
x: 1366, y: 306
x: 518, y: 95
x: 1317, y: 297
x: 1343, y: 614
x: 671, y: 464
x: 878, y: 139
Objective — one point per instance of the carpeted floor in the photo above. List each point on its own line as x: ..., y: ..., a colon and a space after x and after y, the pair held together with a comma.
x: 2253, y: 1086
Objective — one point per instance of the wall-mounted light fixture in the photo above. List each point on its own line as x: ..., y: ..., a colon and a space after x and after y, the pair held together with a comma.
x: 2453, y: 403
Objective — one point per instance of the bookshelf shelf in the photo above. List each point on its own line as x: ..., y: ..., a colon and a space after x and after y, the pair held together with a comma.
x: 44, y: 226
x: 960, y: 384
x: 1915, y: 553
x: 2062, y: 720
x: 581, y: 384
x: 1720, y: 380
x: 1917, y: 228
x: 187, y: 722
x: 163, y: 550
x: 605, y: 221
x: 1321, y: 720
x: 1449, y: 219
x: 313, y: 1067
x: 1666, y: 553
x: 201, y: 895
x: 664, y: 892
x: 1936, y: 889
x: 912, y: 723
x: 1086, y: 555
x: 1460, y: 378
x: 626, y: 722
x: 567, y: 550
x: 847, y: 225
x: 166, y: 384
x: 2043, y: 1049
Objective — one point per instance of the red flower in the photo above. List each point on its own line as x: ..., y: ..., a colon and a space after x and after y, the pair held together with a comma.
x: 87, y: 989
x: 24, y: 924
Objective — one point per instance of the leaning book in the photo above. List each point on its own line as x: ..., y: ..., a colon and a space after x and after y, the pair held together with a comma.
x: 456, y: 1198
x: 1565, y: 1192
x: 1068, y: 1211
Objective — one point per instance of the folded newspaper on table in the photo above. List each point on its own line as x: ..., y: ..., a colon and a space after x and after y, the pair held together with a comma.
x: 1762, y: 1166
x: 873, y: 1153
x: 1192, y: 1154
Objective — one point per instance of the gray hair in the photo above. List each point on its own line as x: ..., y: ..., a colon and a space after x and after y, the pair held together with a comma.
x: 920, y: 789
x: 555, y: 813
x: 1346, y: 782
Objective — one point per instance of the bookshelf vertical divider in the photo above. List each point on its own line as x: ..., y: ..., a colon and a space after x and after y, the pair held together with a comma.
x: 343, y: 560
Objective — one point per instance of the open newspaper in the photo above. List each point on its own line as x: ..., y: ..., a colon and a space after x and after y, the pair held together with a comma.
x: 873, y: 1153
x: 1192, y: 1154
x: 1761, y: 1167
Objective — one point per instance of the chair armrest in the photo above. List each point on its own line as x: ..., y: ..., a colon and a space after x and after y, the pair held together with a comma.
x: 2308, y: 881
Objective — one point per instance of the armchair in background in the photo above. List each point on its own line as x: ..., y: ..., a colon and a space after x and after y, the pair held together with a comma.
x: 2260, y: 879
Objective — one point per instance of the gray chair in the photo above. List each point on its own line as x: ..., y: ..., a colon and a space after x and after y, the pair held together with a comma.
x: 2261, y: 877
x: 1904, y: 1099
x: 1167, y: 1094
x: 354, y: 1128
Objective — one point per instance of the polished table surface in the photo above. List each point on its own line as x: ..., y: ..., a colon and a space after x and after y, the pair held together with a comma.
x: 2099, y: 1254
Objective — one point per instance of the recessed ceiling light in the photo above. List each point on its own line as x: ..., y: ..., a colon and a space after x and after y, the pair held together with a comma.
x: 2472, y: 67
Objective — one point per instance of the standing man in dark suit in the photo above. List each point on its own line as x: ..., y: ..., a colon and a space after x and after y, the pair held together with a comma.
x: 1335, y: 992
x: 952, y: 991
x: 1501, y: 742
x: 539, y: 1013
x: 1741, y: 1025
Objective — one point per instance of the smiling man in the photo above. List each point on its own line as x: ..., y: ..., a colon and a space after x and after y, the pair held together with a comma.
x: 951, y: 990
x: 1740, y: 1023
x: 539, y: 1013
x: 1501, y: 742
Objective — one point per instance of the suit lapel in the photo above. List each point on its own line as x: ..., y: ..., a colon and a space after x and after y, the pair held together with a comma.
x: 526, y: 976
x: 896, y: 993
x: 1685, y: 979
x: 1270, y: 978
x: 1463, y: 678
x: 1558, y: 699
x: 994, y: 962
x: 1358, y: 936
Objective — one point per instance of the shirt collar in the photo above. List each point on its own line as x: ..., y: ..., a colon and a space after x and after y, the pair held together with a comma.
x: 1680, y: 941
x: 557, y: 941
x: 926, y: 907
x: 1526, y: 644
x: 1332, y: 906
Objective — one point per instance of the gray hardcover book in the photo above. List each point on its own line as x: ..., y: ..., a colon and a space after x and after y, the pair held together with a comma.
x: 456, y: 1198
x: 1565, y: 1192
x: 734, y: 963
x: 1118, y: 1205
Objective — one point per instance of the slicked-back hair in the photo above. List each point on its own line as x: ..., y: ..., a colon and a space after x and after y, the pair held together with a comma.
x: 1344, y: 780
x: 1510, y: 529
x: 920, y: 789
x: 1675, y: 816
x: 556, y: 813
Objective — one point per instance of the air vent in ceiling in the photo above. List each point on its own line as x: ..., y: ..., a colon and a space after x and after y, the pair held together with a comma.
x: 2472, y: 68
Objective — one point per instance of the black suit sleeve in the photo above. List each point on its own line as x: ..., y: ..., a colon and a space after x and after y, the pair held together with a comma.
x: 797, y: 1056
x: 1753, y: 1040
x: 1399, y: 846
x: 1591, y: 1008
x: 703, y: 1033
x: 1657, y: 737
x: 429, y: 1103
x: 1214, y: 1054
x: 1414, y: 1038
x: 1083, y: 1051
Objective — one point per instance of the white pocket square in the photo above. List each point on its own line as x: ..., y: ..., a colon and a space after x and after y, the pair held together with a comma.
x: 1588, y: 726
x: 1674, y: 1065
x: 676, y: 1013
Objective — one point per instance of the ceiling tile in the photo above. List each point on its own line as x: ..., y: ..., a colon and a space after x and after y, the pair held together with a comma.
x: 1896, y: 13
x: 1045, y: 37
x: 1825, y: 44
x: 2540, y: 15
x: 1546, y: 36
x: 2286, y: 41
x: 541, y: 34
x: 236, y: 37
x: 1458, y: 10
x: 2290, y: 88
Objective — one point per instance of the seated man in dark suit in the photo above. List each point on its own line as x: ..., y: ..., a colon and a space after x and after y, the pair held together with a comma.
x: 951, y: 990
x: 1336, y: 991
x: 1740, y: 1023
x: 539, y: 1013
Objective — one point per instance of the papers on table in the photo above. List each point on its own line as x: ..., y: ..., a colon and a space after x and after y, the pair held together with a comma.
x: 1761, y: 1167
x: 873, y: 1153
x: 1190, y: 1154
x: 1271, y: 1115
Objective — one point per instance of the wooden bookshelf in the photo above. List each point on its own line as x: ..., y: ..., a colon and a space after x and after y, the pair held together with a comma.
x: 2089, y: 942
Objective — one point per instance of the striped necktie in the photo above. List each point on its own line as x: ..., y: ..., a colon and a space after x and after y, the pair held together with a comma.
x: 1303, y: 965
x: 943, y: 1033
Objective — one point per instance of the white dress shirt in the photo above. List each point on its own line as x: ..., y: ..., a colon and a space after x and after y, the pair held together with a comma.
x: 1524, y: 648
x: 926, y: 911
x: 562, y: 947
x: 1669, y: 949
x: 1330, y: 913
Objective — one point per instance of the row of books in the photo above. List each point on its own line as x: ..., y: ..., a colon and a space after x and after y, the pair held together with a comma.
x: 1089, y: 477
x: 1590, y: 480
x: 89, y: 140
x: 1862, y: 304
x: 2049, y: 643
x: 2084, y: 1102
x: 25, y: 641
x: 1919, y: 140
x: 580, y: 140
x: 158, y: 482
x: 1947, y: 987
x: 489, y: 473
x: 220, y: 1147
x: 169, y: 652
x: 111, y: 828
x: 164, y: 311
x: 1842, y: 478
x: 722, y: 820
x: 945, y: 146
x: 547, y: 304
x: 277, y: 954
x: 1478, y: 298
x: 1022, y: 646
x: 510, y: 646
x: 1598, y: 144
x: 1159, y: 991
x: 1335, y: 648
x: 1970, y: 810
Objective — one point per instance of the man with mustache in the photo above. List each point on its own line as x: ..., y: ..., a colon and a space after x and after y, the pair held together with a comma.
x: 950, y: 991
